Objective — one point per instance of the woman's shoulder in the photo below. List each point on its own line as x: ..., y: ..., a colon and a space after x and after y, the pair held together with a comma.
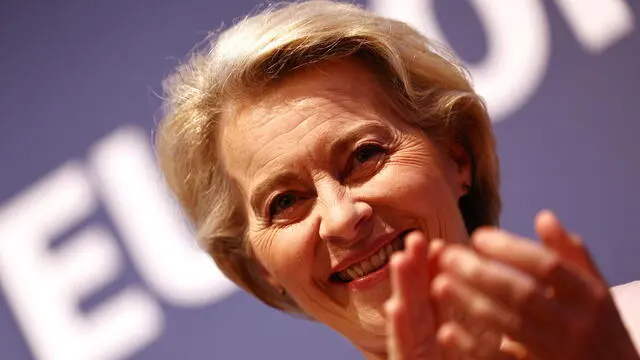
x: 627, y: 298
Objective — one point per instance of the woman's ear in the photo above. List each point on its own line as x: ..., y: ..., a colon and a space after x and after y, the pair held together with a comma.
x: 461, y: 174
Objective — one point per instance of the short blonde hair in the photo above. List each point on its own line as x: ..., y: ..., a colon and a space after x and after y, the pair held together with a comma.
x: 422, y: 78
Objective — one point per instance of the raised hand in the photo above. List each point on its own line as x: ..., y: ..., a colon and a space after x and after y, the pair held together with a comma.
x: 549, y: 298
x: 420, y: 329
x: 411, y: 321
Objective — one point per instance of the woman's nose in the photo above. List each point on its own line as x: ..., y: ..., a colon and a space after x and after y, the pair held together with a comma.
x: 345, y: 220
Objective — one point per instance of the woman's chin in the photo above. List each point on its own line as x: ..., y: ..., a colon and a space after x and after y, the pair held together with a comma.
x: 364, y: 304
x: 367, y: 307
x: 367, y: 327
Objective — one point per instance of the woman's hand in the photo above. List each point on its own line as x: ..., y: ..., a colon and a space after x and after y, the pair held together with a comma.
x: 417, y: 329
x: 549, y: 298
x: 410, y: 320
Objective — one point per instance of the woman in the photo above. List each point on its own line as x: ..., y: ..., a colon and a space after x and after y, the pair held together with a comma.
x: 339, y: 166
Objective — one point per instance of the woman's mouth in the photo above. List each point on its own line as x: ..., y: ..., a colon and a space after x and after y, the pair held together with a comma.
x: 372, y: 264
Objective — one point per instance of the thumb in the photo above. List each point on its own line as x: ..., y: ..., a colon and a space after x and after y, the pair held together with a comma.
x: 567, y: 245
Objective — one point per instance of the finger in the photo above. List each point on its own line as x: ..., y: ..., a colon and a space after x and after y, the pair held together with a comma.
x: 410, y: 275
x: 505, y: 285
x: 416, y: 247
x: 400, y: 266
x: 458, y: 343
x: 515, y: 349
x: 418, y: 280
x: 436, y: 247
x: 554, y: 236
x: 397, y: 326
x: 543, y: 264
x: 569, y: 246
x: 410, y: 321
x: 488, y: 314
x: 403, y: 343
x: 455, y: 339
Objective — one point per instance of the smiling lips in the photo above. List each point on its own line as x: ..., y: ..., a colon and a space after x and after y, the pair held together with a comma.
x: 371, y: 264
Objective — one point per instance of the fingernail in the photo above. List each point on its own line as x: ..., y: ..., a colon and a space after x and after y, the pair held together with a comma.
x: 546, y: 216
x: 436, y: 246
x: 448, y: 258
x: 481, y: 238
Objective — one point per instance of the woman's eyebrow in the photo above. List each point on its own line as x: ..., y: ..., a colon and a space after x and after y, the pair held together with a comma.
x: 340, y: 146
x: 261, y: 191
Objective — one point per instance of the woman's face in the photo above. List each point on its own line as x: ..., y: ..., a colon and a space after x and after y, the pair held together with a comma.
x: 333, y: 179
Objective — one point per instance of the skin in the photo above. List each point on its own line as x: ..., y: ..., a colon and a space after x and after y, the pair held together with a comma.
x: 503, y: 297
x: 551, y: 298
x: 341, y: 204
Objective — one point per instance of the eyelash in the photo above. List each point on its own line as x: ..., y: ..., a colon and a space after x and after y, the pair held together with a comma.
x: 275, y: 202
x: 351, y: 167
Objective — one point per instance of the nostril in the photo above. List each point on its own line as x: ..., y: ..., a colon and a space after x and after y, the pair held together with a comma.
x: 345, y: 220
x: 363, y: 220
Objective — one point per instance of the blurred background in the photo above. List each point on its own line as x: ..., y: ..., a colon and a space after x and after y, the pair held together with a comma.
x: 95, y: 260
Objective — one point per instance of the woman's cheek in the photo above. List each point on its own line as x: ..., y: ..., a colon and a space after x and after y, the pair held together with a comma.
x: 290, y: 253
x: 418, y: 190
x: 408, y: 177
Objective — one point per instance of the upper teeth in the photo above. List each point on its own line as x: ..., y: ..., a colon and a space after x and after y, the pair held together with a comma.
x: 374, y: 262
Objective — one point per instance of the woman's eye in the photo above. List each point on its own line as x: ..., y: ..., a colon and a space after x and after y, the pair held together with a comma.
x: 281, y: 203
x: 368, y: 152
x: 366, y: 159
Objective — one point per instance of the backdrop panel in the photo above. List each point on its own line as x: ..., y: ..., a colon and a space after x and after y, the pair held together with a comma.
x: 95, y: 261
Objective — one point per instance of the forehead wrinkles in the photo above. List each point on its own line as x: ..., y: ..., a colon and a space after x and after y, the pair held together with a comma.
x: 294, y: 131
x: 243, y: 135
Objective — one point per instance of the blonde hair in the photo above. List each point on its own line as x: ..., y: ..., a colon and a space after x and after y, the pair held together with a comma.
x: 422, y: 78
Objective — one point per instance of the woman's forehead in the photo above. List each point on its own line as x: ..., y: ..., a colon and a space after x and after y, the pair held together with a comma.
x: 305, y: 132
x: 305, y: 114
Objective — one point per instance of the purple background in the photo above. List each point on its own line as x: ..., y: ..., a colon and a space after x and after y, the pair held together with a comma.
x: 72, y: 72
